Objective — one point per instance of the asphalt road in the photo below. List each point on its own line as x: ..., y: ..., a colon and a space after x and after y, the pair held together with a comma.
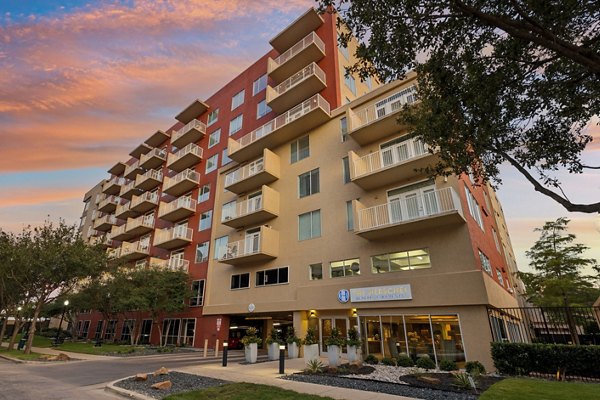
x: 84, y: 379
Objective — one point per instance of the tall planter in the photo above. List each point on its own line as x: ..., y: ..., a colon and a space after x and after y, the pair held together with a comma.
x: 311, y: 352
x: 273, y: 350
x: 293, y: 350
x: 333, y: 355
x: 353, y: 354
x: 251, y: 352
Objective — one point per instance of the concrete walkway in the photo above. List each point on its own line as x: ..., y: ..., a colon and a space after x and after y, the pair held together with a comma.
x: 77, y: 356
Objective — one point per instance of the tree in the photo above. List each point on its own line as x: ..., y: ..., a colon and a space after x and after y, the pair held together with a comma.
x: 498, y: 81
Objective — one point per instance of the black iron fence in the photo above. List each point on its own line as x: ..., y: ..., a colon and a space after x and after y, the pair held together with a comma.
x: 558, y: 325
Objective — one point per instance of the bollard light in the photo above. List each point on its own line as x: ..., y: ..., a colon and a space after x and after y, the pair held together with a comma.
x: 281, y: 358
x: 225, y: 347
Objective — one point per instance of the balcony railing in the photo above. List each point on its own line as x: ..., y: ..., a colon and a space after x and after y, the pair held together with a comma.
x: 150, y: 197
x: 192, y: 152
x: 194, y: 124
x: 113, y: 183
x: 301, y: 45
x: 428, y: 204
x: 298, y: 77
x: 178, y: 264
x: 131, y: 170
x: 384, y: 107
x: 117, y: 231
x: 243, y: 248
x: 149, y: 179
x: 103, y: 223
x: 109, y: 203
x: 245, y: 172
x: 182, y: 202
x: 153, y: 158
x: 242, y: 208
x: 145, y: 221
x: 177, y: 233
x: 389, y: 157
x: 139, y: 247
x: 188, y: 174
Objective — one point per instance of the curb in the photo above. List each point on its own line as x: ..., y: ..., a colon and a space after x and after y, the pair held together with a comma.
x: 111, y: 388
x: 15, y: 360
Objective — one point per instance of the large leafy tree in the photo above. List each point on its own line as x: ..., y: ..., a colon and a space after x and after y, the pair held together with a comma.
x: 499, y: 81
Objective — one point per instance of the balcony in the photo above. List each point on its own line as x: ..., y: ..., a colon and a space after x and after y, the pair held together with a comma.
x: 105, y: 223
x: 128, y: 190
x: 140, y: 225
x: 184, y: 158
x: 190, y: 133
x: 298, y: 87
x: 109, y: 203
x: 173, y: 264
x: 112, y: 254
x: 261, y: 246
x: 307, y: 22
x: 177, y: 210
x: 144, y: 202
x: 254, y: 174
x: 181, y: 183
x: 392, y: 164
x: 153, y: 159
x: 252, y: 211
x: 173, y: 238
x: 309, y: 49
x: 429, y: 210
x: 113, y: 185
x: 120, y: 233
x: 284, y: 128
x: 132, y: 170
x: 149, y: 179
x: 135, y: 251
x: 379, y: 120
x: 124, y: 211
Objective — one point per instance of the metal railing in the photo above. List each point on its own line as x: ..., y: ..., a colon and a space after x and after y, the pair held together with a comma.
x: 106, y: 219
x: 183, y: 175
x: 135, y: 247
x: 311, y: 69
x: 427, y: 204
x: 301, y: 45
x: 142, y: 220
x: 181, y: 202
x: 126, y: 188
x: 242, y: 208
x: 109, y: 199
x: 191, y: 148
x: 132, y: 167
x: 178, y: 264
x: 193, y: 124
x: 245, y: 247
x: 244, y: 172
x: 156, y: 152
x: 151, y: 197
x: 390, y: 156
x: 115, y: 180
x: 150, y: 174
x: 384, y: 107
x: 177, y: 232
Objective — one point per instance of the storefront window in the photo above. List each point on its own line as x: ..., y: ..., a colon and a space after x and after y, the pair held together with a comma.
x: 418, y: 333
x: 394, y: 339
x: 447, y: 338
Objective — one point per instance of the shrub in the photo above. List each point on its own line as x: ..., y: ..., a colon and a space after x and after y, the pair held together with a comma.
x: 425, y: 363
x: 291, y: 337
x: 314, y: 367
x: 336, y: 338
x: 389, y: 361
x: 353, y: 338
x: 274, y: 337
x: 311, y: 337
x: 461, y: 381
x: 371, y: 359
x: 405, y: 361
x: 472, y: 366
x: 251, y: 337
x: 448, y: 365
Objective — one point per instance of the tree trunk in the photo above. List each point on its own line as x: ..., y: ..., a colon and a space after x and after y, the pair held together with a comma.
x: 3, y: 329
x: 13, y: 338
x: 160, y: 336
x: 138, y: 330
x: 32, y: 327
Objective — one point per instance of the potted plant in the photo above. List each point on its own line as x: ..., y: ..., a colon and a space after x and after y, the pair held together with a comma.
x: 353, y: 342
x: 251, y: 342
x: 273, y: 341
x: 334, y: 343
x: 292, y: 342
x: 310, y: 347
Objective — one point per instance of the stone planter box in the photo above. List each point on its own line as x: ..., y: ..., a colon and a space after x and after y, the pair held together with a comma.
x: 333, y: 355
x: 353, y: 354
x: 251, y: 352
x: 311, y: 352
x: 293, y: 350
x: 273, y: 350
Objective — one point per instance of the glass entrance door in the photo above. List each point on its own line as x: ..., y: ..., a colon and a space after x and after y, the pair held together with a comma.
x: 326, y: 326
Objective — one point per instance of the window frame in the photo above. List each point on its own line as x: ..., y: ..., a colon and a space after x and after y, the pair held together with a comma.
x: 238, y: 99
x: 239, y: 117
x: 296, y: 152
x: 231, y: 281
x: 314, y: 181
x: 212, y: 143
x: 205, y: 258
x: 199, y: 294
x: 265, y: 276
x: 312, y: 235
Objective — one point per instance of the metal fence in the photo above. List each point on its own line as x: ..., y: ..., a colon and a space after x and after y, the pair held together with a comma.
x: 558, y: 325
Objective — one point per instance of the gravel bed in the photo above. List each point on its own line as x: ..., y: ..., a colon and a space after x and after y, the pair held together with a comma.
x: 380, y: 387
x: 150, y: 351
x: 181, y: 383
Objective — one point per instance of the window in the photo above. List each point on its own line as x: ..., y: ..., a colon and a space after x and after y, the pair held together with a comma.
x: 499, y: 275
x: 346, y: 169
x: 211, y: 163
x: 262, y: 109
x: 238, y: 99
x: 229, y: 210
x: 128, y: 326
x: 300, y: 149
x: 240, y: 281
x: 474, y: 209
x: 343, y: 49
x: 275, y: 276
x: 236, y: 124
x: 349, y: 216
x: 140, y: 264
x: 485, y: 263
x: 214, y: 138
x: 220, y: 247
x: 197, y: 298
x: 204, y: 193
x: 309, y: 225
x: 487, y: 201
x: 350, y: 83
x: 202, y: 252
x: 344, y: 268
x: 213, y: 117
x: 369, y: 82
x: 316, y: 271
x: 495, y: 235
x: 344, y: 129
x: 400, y: 261
x: 259, y: 85
x: 308, y: 183
x: 225, y: 159
x: 205, y: 220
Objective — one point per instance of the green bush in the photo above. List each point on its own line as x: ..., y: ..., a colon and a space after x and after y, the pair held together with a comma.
x: 405, y: 361
x: 448, y: 365
x: 425, y: 363
x: 471, y: 366
x: 389, y: 361
x: 371, y: 359
x: 311, y: 337
x: 524, y: 358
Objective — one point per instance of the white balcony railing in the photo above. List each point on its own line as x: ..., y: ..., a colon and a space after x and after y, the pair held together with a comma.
x: 388, y: 157
x: 178, y: 264
x: 242, y: 208
x: 128, y: 187
x: 187, y: 174
x: 151, y: 197
x: 115, y: 180
x: 143, y: 220
x: 156, y: 152
x: 132, y: 167
x: 312, y: 69
x: 244, y: 172
x: 106, y: 219
x: 191, y: 148
x: 135, y: 247
x: 193, y: 124
x: 384, y: 107
x: 177, y: 232
x: 291, y: 115
x: 181, y: 202
x: 301, y: 45
x: 150, y: 174
x: 427, y: 204
x: 108, y: 199
x: 245, y: 247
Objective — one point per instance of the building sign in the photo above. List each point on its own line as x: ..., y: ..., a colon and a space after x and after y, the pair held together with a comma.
x: 219, y: 322
x: 381, y: 293
x: 343, y: 295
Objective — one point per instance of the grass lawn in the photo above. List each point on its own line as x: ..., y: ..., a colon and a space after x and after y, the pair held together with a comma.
x: 534, y: 389
x: 19, y: 354
x: 244, y: 391
x: 88, y: 348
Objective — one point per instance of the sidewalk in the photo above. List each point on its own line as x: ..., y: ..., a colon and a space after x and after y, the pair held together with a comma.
x: 78, y: 356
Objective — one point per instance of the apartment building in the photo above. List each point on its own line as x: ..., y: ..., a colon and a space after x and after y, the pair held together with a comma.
x: 293, y: 198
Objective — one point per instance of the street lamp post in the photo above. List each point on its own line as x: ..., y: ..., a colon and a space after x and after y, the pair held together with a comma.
x: 62, y: 317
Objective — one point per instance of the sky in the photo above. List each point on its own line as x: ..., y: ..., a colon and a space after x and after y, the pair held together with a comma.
x: 83, y: 82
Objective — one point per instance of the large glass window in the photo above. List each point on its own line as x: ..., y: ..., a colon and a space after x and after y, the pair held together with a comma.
x: 308, y: 183
x: 205, y: 220
x: 202, y: 252
x: 225, y: 159
x: 213, y: 117
x: 447, y: 338
x: 474, y: 209
x: 344, y: 268
x: 259, y: 85
x: 309, y: 225
x: 204, y: 193
x: 212, y: 163
x: 300, y: 149
x: 350, y: 83
x: 238, y: 99
x: 315, y: 271
x: 240, y: 281
x: 220, y: 247
x: 197, y: 298
x: 262, y: 109
x: 485, y: 263
x: 400, y: 261
x: 275, y: 276
x: 214, y: 138
x: 236, y: 124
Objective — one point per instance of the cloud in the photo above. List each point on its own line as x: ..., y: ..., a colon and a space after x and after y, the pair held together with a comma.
x: 39, y: 196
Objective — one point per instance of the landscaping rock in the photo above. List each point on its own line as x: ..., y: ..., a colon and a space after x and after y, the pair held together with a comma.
x: 429, y: 379
x: 62, y: 357
x: 161, y: 371
x: 181, y: 383
x: 141, y: 377
x: 165, y: 385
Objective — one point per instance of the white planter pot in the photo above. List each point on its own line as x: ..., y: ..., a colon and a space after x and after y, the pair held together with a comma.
x: 333, y: 354
x: 311, y: 352
x: 293, y: 350
x: 251, y: 352
x: 273, y: 351
x: 353, y: 354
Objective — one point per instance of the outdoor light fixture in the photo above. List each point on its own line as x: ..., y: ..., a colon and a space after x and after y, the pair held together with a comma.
x: 354, y: 312
x: 225, y: 347
x: 281, y: 358
x: 312, y: 314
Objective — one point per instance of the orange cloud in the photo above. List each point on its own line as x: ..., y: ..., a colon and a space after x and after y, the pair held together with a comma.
x: 39, y: 196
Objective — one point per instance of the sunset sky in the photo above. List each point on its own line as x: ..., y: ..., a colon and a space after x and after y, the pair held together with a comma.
x: 83, y: 82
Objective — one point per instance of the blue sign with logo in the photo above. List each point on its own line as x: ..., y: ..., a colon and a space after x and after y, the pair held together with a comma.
x: 344, y: 295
